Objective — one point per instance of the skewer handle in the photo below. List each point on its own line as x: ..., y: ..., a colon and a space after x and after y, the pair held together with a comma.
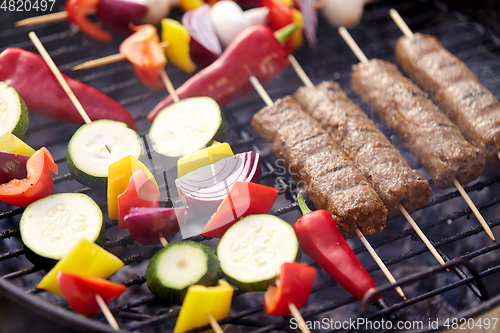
x: 422, y: 236
x: 107, y: 313
x: 215, y: 325
x: 352, y: 44
x: 474, y: 209
x: 53, y: 17
x: 300, y: 320
x: 59, y: 77
x: 261, y: 91
x: 379, y: 262
x: 300, y: 71
x: 170, y: 87
x: 401, y: 23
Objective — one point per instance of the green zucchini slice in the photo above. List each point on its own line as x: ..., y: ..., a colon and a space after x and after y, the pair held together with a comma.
x: 187, y: 126
x: 179, y: 265
x: 252, y: 251
x: 95, y: 146
x: 14, y: 115
x: 51, y: 227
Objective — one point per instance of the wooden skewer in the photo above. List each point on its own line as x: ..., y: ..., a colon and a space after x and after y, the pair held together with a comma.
x: 379, y: 262
x: 106, y: 60
x: 408, y: 33
x: 307, y: 82
x: 168, y: 84
x: 401, y: 23
x: 269, y: 102
x: 300, y: 320
x: 41, y: 49
x: 53, y: 17
x: 107, y: 313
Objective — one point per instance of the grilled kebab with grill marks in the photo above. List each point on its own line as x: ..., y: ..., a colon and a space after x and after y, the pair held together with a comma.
x: 387, y: 171
x: 313, y: 158
x: 431, y: 136
x: 453, y: 86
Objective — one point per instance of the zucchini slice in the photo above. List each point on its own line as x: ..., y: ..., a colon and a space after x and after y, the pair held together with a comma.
x: 51, y: 227
x: 252, y: 251
x: 187, y: 126
x: 14, y: 115
x: 95, y: 146
x: 179, y: 265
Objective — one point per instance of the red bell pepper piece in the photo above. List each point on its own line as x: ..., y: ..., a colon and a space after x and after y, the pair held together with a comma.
x: 295, y: 285
x: 80, y: 291
x: 30, y: 76
x: 77, y: 14
x: 256, y: 51
x: 243, y: 199
x: 142, y: 50
x: 280, y: 15
x: 37, y: 185
x: 141, y: 192
x: 320, y: 239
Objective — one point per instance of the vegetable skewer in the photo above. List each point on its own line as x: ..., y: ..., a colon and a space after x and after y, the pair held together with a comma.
x: 105, y: 60
x: 267, y: 99
x: 43, y: 52
x: 363, y: 59
x: 307, y: 82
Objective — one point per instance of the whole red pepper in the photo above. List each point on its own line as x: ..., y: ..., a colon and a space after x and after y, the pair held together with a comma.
x: 30, y: 76
x: 256, y: 51
x: 320, y: 239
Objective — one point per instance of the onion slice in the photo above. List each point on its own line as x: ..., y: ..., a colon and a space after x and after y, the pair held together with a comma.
x: 12, y: 166
x: 310, y: 21
x: 200, y: 26
x: 148, y: 225
x: 204, y: 189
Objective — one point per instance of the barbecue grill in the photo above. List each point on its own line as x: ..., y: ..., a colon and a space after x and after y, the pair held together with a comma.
x: 446, y: 220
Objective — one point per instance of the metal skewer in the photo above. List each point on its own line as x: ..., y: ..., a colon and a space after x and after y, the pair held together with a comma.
x: 269, y: 102
x: 409, y: 34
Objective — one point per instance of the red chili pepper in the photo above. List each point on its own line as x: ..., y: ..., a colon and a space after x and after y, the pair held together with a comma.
x: 256, y: 51
x: 243, y: 199
x: 320, y: 239
x: 141, y: 192
x: 77, y: 14
x: 295, y: 285
x: 142, y: 50
x: 30, y: 76
x: 80, y: 291
x: 37, y: 185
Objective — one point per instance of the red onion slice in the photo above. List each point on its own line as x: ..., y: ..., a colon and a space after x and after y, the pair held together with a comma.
x: 204, y: 189
x: 12, y: 166
x: 310, y: 21
x: 200, y: 27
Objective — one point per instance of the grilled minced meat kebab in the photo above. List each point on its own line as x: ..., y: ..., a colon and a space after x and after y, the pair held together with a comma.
x: 387, y: 171
x: 332, y: 181
x: 452, y: 86
x: 431, y: 136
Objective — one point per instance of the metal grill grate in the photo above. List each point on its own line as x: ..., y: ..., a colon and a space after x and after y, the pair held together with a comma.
x: 445, y: 218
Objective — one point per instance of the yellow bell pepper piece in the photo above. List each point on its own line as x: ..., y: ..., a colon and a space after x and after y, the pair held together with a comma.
x: 178, y: 38
x: 119, y: 174
x: 190, y: 4
x: 289, y: 3
x: 201, y: 301
x: 297, y: 37
x: 206, y: 156
x: 86, y: 258
x: 9, y: 143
